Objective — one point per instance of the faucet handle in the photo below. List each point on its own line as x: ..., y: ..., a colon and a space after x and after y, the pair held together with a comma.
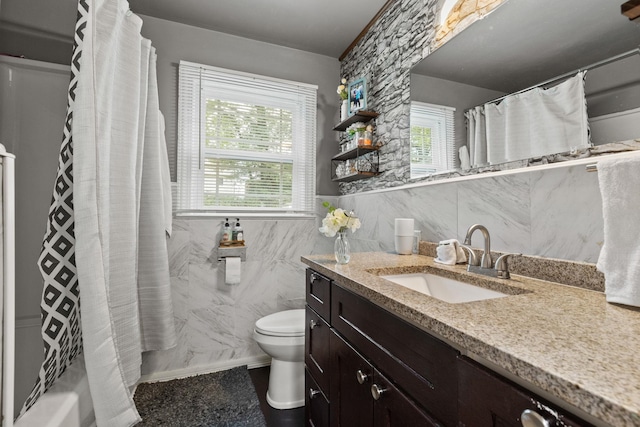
x: 502, y: 268
x: 473, y: 258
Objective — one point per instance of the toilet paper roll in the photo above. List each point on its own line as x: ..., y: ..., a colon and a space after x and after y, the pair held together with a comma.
x: 232, y: 270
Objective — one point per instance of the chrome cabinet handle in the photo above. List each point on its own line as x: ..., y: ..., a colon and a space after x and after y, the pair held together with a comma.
x: 313, y: 393
x: 313, y: 324
x: 530, y: 418
x: 361, y: 377
x: 313, y: 277
x: 376, y: 391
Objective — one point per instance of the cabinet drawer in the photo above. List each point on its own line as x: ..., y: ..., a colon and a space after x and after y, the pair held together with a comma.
x: 317, y: 356
x: 319, y: 293
x: 316, y: 404
x: 423, y: 366
x: 488, y: 400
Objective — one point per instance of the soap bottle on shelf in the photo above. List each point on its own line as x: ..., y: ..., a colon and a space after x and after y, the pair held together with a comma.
x: 237, y: 231
x: 226, y: 231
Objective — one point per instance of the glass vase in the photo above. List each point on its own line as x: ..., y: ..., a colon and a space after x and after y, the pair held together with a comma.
x: 341, y: 248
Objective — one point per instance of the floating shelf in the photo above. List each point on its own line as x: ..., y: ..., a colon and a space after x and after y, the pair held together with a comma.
x: 355, y: 176
x: 354, y: 152
x: 360, y: 116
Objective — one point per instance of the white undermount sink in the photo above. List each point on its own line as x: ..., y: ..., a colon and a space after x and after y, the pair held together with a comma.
x: 442, y: 288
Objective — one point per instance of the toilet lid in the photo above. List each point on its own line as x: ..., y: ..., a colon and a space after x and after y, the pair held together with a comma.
x: 287, y: 323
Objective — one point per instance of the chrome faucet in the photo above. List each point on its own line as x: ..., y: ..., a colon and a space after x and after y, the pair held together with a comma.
x: 501, y: 268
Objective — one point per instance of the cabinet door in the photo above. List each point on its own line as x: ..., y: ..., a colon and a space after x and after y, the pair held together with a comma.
x: 351, y: 379
x: 487, y: 400
x: 317, y: 356
x: 316, y: 404
x: 394, y: 409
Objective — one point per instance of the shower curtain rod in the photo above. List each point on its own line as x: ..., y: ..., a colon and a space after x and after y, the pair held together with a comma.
x: 571, y: 73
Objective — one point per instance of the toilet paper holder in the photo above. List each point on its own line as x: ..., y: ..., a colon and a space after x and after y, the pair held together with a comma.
x: 233, y: 251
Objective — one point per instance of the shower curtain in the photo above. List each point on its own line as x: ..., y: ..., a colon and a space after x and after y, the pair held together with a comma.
x: 530, y: 124
x: 121, y: 214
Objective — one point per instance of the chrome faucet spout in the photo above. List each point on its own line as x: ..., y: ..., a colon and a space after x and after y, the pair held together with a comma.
x: 486, y: 256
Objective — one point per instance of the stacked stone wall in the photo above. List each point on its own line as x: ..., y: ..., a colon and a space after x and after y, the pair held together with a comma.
x: 394, y: 44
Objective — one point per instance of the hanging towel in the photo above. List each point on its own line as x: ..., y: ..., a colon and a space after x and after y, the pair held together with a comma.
x: 619, y: 259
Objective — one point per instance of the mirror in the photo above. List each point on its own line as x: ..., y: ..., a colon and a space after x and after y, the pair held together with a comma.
x: 523, y: 43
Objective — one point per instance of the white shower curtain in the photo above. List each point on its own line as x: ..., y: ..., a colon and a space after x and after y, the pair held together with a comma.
x: 122, y: 208
x: 529, y: 124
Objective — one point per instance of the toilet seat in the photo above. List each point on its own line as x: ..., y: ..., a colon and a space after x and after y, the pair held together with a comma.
x: 289, y: 323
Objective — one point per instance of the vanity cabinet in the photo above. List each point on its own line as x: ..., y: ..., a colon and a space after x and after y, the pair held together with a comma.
x: 489, y: 400
x: 354, y: 380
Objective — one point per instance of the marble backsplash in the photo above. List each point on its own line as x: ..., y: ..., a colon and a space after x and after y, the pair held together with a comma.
x: 551, y: 213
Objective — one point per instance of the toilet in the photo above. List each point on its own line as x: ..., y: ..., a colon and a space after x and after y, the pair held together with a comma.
x: 281, y: 336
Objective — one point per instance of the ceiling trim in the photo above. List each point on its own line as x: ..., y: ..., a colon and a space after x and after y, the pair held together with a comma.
x: 364, y: 31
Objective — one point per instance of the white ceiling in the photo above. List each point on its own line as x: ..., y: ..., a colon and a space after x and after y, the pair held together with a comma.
x: 326, y: 27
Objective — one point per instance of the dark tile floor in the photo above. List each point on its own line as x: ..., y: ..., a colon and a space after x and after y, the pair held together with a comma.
x: 274, y: 417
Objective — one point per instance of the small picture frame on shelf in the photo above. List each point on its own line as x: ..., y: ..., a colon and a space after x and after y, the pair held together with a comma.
x: 357, y: 96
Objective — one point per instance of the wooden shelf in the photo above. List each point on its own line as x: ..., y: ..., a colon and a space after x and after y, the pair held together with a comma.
x: 360, y: 116
x: 354, y: 152
x: 355, y: 176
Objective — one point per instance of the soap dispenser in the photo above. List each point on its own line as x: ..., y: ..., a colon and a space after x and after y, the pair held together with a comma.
x: 226, y: 231
x: 237, y: 231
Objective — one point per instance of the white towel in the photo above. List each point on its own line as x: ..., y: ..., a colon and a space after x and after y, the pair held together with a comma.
x: 449, y: 252
x: 619, y: 182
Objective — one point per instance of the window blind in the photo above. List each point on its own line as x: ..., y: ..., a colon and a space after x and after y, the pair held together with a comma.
x: 246, y: 143
x: 432, y: 138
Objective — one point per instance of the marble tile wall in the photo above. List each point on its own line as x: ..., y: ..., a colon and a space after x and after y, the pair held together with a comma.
x: 214, y: 320
x: 553, y: 213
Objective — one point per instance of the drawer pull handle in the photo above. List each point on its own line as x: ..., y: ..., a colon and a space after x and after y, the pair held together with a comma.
x: 313, y: 393
x: 313, y: 277
x: 531, y: 418
x: 361, y: 377
x: 313, y: 324
x: 376, y: 391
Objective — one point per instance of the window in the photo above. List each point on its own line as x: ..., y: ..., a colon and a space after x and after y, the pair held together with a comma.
x: 246, y: 143
x: 432, y: 139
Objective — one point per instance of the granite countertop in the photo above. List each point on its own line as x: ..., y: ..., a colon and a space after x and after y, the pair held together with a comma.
x: 566, y: 341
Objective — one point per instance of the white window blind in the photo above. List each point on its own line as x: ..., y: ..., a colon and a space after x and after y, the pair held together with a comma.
x: 432, y: 138
x: 246, y: 143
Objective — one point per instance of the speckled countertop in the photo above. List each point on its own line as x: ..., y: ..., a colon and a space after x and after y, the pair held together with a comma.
x: 566, y: 341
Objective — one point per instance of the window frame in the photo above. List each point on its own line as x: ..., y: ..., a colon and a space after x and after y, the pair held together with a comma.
x: 197, y: 83
x: 441, y: 119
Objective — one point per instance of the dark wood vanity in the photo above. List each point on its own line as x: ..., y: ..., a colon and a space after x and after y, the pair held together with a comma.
x: 365, y: 366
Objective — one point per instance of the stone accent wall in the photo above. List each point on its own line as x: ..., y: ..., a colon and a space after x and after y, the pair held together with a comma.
x: 398, y: 41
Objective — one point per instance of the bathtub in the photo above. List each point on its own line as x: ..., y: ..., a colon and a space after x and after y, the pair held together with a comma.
x: 67, y: 404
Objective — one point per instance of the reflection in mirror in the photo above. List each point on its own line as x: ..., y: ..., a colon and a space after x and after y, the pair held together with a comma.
x: 523, y: 43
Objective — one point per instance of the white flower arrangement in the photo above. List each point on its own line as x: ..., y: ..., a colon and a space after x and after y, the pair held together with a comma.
x: 342, y: 89
x: 338, y: 220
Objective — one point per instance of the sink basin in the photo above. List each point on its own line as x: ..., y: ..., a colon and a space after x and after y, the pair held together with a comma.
x: 442, y: 288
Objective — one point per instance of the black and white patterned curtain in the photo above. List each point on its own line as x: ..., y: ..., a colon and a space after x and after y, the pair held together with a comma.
x: 60, y: 306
